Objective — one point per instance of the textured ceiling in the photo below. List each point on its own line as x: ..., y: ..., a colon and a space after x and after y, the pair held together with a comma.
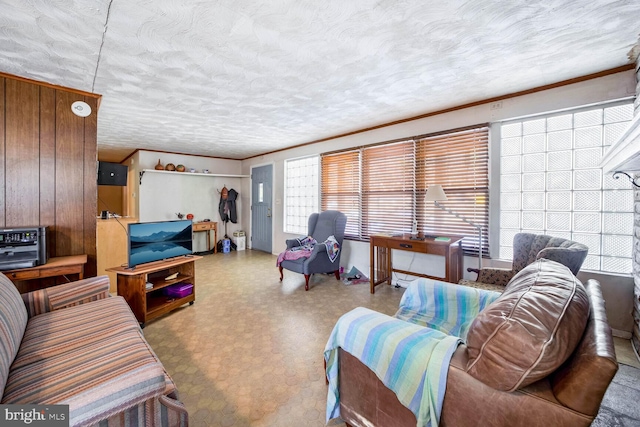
x: 236, y: 79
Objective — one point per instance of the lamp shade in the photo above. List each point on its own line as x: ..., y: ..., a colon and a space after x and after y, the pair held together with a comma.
x: 435, y: 193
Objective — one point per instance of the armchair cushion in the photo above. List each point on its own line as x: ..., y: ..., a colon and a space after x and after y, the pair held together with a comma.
x: 298, y: 256
x: 530, y: 330
x: 496, y: 276
x: 482, y: 285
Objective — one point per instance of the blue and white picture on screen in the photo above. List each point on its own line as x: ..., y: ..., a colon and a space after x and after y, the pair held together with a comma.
x: 154, y: 241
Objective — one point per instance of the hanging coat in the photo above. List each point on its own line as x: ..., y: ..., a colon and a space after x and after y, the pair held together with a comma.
x: 227, y: 207
x: 222, y: 207
x: 231, y: 206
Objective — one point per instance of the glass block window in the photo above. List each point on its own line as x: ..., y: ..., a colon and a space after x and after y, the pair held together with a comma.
x: 301, y: 193
x: 551, y: 183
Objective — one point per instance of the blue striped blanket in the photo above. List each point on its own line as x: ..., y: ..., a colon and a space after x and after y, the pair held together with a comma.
x: 409, y: 352
x: 410, y: 360
x: 443, y: 306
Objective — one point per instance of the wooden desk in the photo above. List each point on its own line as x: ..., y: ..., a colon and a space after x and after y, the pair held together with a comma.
x: 381, y: 261
x: 55, y: 267
x: 207, y: 226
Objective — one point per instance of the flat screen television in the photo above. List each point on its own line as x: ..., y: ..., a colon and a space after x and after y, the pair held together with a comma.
x: 155, y: 241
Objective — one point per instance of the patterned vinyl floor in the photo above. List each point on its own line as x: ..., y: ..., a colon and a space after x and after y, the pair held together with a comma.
x: 249, y: 351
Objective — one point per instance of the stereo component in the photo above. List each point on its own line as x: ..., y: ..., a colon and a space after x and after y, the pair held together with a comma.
x: 23, y: 247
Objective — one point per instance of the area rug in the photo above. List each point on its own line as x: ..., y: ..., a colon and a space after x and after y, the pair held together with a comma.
x: 619, y: 406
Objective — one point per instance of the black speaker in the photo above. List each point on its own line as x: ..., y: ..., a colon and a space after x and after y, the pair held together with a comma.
x: 112, y: 174
x: 43, y: 247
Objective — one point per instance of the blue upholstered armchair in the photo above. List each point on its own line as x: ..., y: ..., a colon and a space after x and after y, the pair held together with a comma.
x: 321, y: 226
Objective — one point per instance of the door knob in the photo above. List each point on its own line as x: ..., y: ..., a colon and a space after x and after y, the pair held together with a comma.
x: 268, y: 212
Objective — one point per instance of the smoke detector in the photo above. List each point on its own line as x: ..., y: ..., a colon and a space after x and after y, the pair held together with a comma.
x: 81, y: 109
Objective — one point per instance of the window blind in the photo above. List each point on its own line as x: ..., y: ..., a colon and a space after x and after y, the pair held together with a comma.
x: 381, y: 187
x: 388, y: 182
x: 340, y: 188
x: 459, y: 162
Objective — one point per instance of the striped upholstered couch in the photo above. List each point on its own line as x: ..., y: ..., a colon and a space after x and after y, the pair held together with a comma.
x: 75, y: 345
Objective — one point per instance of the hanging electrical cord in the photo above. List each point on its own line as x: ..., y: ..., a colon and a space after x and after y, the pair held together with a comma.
x: 104, y: 33
x: 114, y: 216
x: 406, y: 276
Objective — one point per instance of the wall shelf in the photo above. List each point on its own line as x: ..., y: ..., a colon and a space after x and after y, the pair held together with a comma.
x: 219, y: 175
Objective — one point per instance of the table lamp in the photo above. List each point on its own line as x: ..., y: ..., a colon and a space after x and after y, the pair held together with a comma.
x: 436, y: 194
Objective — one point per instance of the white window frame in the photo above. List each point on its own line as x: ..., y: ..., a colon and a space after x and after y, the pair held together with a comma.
x: 296, y: 214
x: 598, y: 258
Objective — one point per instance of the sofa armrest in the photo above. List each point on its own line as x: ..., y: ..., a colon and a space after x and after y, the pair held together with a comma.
x: 365, y: 400
x: 495, y: 276
x: 123, y: 391
x: 531, y: 406
x: 66, y: 295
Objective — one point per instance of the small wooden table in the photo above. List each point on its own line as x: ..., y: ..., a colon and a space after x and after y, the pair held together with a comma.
x: 207, y: 226
x: 55, y: 267
x: 380, y: 256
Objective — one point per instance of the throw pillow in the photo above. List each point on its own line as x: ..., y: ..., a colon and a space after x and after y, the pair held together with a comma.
x: 531, y: 329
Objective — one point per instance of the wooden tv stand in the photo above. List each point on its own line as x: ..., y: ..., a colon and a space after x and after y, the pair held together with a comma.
x: 148, y: 304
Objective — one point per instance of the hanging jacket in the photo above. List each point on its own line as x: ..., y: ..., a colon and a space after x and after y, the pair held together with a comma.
x: 231, y: 206
x: 227, y: 207
x: 222, y: 205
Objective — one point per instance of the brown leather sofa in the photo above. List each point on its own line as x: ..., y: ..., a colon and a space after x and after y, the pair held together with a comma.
x: 506, y: 373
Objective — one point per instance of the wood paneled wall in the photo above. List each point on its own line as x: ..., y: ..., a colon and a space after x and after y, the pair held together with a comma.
x: 48, y: 165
